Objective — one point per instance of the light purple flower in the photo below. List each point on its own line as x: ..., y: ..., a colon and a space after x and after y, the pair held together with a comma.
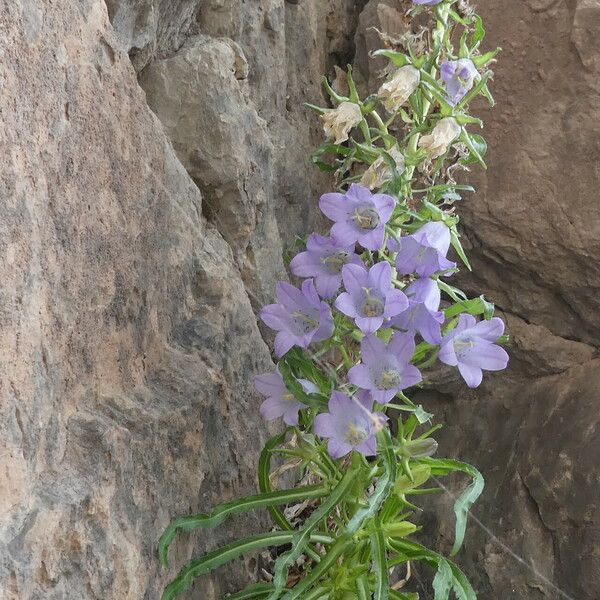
x: 323, y: 260
x: 385, y: 370
x: 422, y: 315
x: 369, y: 297
x: 301, y: 317
x: 423, y: 252
x: 280, y: 401
x: 471, y: 348
x: 359, y: 216
x: 426, y: 2
x: 350, y: 425
x: 458, y: 77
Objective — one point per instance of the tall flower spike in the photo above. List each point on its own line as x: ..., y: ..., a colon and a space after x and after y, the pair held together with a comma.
x: 349, y: 425
x: 423, y: 315
x: 279, y: 401
x: 338, y: 122
x: 458, y: 77
x: 470, y: 347
x: 300, y: 317
x: 385, y: 370
x: 369, y: 297
x: 359, y: 216
x: 423, y: 252
x: 439, y: 140
x: 323, y: 260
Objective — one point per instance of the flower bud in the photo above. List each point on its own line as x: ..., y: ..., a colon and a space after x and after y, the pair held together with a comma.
x: 438, y: 141
x: 338, y: 122
x: 380, y: 171
x: 397, y: 90
x: 420, y: 448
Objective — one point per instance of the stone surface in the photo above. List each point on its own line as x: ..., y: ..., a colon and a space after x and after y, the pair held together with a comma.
x: 136, y: 251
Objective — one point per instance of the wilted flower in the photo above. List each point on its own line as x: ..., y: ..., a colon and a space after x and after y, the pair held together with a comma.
x: 323, y: 260
x: 338, y: 122
x: 396, y: 91
x: 470, y: 347
x: 300, y: 317
x: 438, y: 141
x: 369, y: 297
x: 380, y: 171
x: 280, y: 402
x: 350, y: 425
x: 458, y: 76
x: 423, y: 252
x: 385, y: 370
x: 422, y: 315
x: 427, y: 2
x: 359, y: 216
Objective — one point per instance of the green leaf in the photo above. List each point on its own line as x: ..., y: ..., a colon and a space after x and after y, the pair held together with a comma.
x: 302, y: 537
x: 476, y: 306
x: 481, y: 84
x: 420, y: 473
x: 221, y: 556
x: 466, y: 500
x: 221, y: 512
x: 442, y: 583
x: 478, y: 142
x: 397, y: 58
x: 363, y: 591
x: 294, y: 387
x: 380, y: 566
x: 484, y: 59
x: 252, y: 592
x: 455, y: 240
x: 394, y: 595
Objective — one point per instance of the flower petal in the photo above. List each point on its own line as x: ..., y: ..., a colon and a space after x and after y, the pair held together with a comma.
x: 472, y: 375
x: 360, y: 376
x: 369, y: 324
x: 335, y: 206
x: 345, y: 304
x: 270, y: 384
x: 355, y: 279
x: 283, y: 342
x: 372, y: 240
x: 275, y: 316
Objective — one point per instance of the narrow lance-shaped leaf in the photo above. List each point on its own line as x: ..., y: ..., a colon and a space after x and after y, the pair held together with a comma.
x: 380, y: 566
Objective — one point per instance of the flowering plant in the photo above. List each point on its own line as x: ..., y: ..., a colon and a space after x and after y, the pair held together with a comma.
x: 366, y: 325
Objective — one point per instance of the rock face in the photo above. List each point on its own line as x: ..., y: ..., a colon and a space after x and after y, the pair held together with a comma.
x: 155, y: 168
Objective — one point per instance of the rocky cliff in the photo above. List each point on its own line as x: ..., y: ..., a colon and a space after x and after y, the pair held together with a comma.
x: 154, y: 170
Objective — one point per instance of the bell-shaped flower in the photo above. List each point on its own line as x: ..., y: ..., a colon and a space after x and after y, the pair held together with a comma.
x: 323, y: 260
x: 300, y: 317
x: 423, y: 315
x: 280, y: 402
x: 370, y: 297
x: 427, y: 2
x: 338, y: 122
x: 470, y: 347
x: 385, y: 370
x: 359, y: 216
x: 350, y: 425
x: 458, y: 77
x: 395, y: 92
x: 424, y: 251
x: 439, y: 140
x: 380, y: 172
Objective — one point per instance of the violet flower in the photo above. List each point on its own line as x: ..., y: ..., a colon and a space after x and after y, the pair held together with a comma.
x: 422, y: 315
x: 427, y: 2
x: 423, y: 252
x: 385, y: 370
x: 458, y: 77
x: 280, y: 401
x: 470, y: 347
x: 301, y: 317
x: 323, y: 260
x: 350, y: 425
x: 369, y: 297
x: 359, y: 216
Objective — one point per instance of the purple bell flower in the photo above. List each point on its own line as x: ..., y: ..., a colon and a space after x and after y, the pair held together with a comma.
x: 323, y: 260
x: 423, y: 252
x: 422, y: 315
x: 280, y: 402
x: 369, y: 297
x: 385, y: 370
x: 301, y: 317
x: 458, y: 77
x: 350, y: 425
x: 470, y: 347
x: 359, y: 216
x: 426, y: 2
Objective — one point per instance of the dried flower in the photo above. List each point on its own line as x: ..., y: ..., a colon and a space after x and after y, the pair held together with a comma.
x: 438, y: 141
x: 380, y: 172
x: 350, y: 425
x: 323, y: 260
x: 395, y: 92
x: 359, y: 216
x: 338, y: 122
x: 300, y: 317
x: 369, y: 297
x: 470, y: 347
x: 427, y: 2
